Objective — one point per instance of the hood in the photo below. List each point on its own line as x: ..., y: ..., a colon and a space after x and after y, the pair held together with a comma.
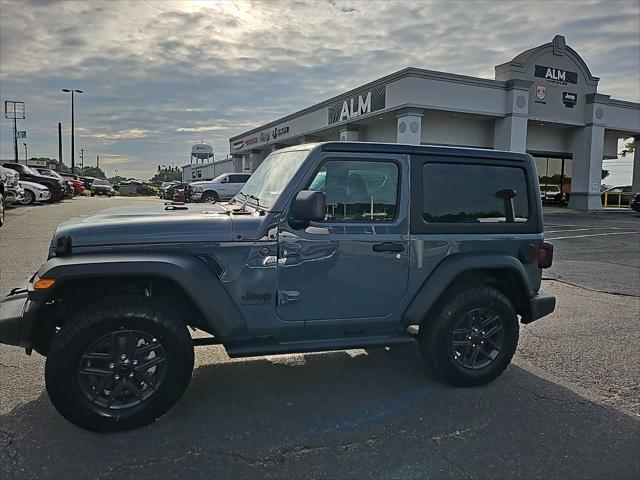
x: 151, y: 224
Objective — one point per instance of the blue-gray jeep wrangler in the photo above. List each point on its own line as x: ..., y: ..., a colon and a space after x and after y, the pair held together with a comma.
x: 328, y: 246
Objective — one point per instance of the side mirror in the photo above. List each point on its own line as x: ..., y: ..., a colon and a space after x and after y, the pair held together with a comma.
x: 309, y: 206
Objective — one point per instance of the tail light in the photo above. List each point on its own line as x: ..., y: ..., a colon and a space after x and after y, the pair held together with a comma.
x: 545, y: 254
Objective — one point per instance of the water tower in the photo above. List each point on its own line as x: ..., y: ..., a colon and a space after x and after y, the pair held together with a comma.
x: 202, y: 151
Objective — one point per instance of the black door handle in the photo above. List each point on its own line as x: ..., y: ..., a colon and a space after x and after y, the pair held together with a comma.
x: 388, y: 247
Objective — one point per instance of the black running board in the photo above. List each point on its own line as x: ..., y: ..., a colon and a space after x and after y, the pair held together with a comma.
x: 253, y: 348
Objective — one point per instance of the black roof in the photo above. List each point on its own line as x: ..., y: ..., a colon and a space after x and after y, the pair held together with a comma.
x: 370, y: 147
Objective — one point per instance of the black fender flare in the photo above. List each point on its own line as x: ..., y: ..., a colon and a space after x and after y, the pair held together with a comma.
x: 451, y: 268
x: 191, y: 272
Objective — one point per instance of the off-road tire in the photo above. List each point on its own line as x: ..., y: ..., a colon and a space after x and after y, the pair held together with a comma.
x: 436, y: 334
x: 100, y: 319
x: 210, y: 197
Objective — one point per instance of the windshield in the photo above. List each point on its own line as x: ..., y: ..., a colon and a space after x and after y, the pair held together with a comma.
x: 219, y: 178
x: 549, y: 188
x: 31, y: 171
x: 101, y: 182
x: 271, y: 177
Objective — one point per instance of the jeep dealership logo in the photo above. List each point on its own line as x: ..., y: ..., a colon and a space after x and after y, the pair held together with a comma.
x: 569, y: 99
x: 356, y: 105
x: 556, y: 75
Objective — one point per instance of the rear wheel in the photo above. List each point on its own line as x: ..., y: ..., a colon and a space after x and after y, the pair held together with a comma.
x: 119, y: 364
x: 471, y: 337
x: 210, y: 197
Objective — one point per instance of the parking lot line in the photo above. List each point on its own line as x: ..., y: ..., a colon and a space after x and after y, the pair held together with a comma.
x: 584, y: 229
x: 593, y: 235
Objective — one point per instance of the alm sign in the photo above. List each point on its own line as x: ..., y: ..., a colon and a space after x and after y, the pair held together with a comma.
x: 556, y: 75
x: 356, y: 105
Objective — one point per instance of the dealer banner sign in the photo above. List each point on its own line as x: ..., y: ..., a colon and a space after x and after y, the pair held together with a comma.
x: 556, y: 75
x: 358, y: 104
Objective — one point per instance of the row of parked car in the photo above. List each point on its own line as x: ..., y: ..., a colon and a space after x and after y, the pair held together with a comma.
x: 24, y: 185
x: 221, y: 188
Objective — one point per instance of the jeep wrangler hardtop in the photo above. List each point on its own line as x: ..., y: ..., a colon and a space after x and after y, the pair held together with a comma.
x: 328, y: 246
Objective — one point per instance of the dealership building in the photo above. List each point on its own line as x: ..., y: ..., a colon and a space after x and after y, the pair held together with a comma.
x: 544, y: 102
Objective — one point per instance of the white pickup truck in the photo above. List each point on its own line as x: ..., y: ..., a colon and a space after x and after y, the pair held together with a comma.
x: 223, y: 187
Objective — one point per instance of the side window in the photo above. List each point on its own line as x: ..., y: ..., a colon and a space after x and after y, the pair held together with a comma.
x: 358, y: 191
x: 465, y: 193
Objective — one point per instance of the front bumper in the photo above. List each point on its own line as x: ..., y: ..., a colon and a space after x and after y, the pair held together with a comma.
x: 540, y: 306
x: 196, y: 196
x: 16, y: 318
x: 42, y: 195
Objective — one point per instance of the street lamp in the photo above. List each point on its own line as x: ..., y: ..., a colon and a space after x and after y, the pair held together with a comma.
x: 116, y: 173
x: 73, y: 159
x: 25, y: 153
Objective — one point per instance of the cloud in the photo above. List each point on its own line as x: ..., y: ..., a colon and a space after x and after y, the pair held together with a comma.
x: 161, y: 75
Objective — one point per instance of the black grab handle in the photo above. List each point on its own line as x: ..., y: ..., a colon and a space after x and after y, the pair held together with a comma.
x: 388, y: 247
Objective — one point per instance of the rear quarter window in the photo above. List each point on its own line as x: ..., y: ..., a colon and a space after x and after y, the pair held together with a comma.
x: 465, y: 193
x: 456, y: 194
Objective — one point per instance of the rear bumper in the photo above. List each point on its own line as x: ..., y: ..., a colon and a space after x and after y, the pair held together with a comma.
x: 540, y: 306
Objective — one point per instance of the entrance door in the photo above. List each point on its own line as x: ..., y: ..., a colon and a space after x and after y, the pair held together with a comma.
x: 354, y: 264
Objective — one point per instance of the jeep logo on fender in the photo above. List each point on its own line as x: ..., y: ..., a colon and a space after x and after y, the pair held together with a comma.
x: 251, y: 297
x: 556, y: 74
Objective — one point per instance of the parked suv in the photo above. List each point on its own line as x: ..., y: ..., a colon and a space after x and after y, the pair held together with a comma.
x: 223, y: 187
x: 56, y: 186
x: 328, y: 246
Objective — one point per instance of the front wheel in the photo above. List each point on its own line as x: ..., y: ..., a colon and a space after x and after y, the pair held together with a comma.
x: 28, y: 198
x: 119, y: 364
x: 472, y: 336
x: 210, y: 197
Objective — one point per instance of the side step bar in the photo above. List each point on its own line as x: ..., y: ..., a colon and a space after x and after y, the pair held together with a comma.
x: 252, y: 348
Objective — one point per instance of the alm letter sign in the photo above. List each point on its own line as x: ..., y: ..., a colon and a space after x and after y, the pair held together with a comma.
x: 356, y: 105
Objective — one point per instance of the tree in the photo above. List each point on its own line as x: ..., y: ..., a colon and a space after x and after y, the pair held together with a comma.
x: 91, y: 172
x: 167, y: 174
x: 629, y: 147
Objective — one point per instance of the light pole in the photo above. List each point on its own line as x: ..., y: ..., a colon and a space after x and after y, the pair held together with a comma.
x: 25, y: 153
x: 73, y: 160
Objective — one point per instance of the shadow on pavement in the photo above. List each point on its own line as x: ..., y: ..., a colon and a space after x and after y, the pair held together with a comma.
x: 338, y: 415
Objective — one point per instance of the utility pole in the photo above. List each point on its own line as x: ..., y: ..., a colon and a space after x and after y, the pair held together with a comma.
x: 81, y: 159
x: 97, y: 163
x: 73, y: 156
x: 59, y: 147
x: 15, y: 137
x: 25, y: 153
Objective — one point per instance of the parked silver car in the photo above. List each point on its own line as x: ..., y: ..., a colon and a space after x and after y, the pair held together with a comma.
x: 223, y: 187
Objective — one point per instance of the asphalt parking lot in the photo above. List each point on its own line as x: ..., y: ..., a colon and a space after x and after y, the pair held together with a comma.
x: 568, y: 407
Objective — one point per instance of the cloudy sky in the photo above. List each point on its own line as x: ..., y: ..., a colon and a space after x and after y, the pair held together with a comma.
x: 161, y: 75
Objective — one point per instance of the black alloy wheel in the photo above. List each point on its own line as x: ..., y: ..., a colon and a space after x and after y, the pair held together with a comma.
x: 122, y: 369
x: 477, y: 338
x: 119, y: 363
x: 471, y: 335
